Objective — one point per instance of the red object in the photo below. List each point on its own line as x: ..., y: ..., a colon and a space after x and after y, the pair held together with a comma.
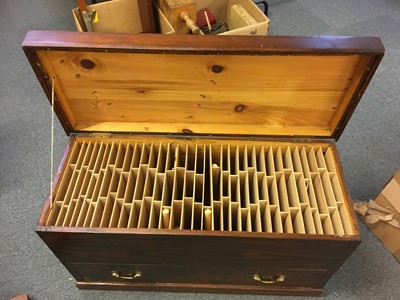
x: 201, y: 18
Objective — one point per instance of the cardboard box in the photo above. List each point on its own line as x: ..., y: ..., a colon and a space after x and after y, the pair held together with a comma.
x: 382, y: 215
x: 221, y: 10
x: 119, y: 16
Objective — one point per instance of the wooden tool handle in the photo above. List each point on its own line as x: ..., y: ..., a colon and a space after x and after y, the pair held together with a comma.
x: 184, y: 16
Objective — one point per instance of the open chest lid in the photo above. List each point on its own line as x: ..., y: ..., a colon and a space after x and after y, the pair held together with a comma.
x: 222, y: 85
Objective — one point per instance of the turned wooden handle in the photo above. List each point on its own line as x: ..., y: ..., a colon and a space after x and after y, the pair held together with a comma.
x: 185, y: 17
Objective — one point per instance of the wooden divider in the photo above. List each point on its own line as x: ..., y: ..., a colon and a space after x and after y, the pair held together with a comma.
x: 201, y: 186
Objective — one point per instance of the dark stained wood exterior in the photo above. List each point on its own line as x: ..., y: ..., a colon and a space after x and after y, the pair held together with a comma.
x: 199, y: 260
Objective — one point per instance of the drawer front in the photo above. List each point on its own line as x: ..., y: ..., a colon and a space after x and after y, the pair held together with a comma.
x: 201, y: 275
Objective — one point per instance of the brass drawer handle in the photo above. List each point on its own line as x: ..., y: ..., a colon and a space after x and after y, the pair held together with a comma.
x: 135, y: 275
x: 270, y: 279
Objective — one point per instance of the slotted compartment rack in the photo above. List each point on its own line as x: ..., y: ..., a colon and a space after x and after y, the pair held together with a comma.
x: 243, y: 187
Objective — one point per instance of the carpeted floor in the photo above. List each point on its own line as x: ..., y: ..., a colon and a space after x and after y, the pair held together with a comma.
x: 369, y: 147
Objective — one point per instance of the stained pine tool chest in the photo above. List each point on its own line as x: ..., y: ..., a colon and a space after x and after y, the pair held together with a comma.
x: 201, y: 163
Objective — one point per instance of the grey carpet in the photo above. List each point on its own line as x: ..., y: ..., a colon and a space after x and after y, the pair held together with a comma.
x: 369, y: 147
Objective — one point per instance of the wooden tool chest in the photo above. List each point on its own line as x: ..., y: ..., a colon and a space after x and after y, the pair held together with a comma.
x: 201, y: 163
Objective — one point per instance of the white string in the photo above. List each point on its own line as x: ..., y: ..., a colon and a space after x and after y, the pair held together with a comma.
x: 52, y: 143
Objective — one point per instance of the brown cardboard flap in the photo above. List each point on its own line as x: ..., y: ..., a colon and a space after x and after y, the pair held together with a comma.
x: 277, y: 86
x: 392, y: 194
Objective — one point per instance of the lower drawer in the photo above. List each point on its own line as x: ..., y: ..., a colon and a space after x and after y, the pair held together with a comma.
x: 200, y: 275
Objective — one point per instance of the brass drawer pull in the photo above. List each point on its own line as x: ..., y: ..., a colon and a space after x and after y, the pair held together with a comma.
x: 270, y: 279
x: 135, y: 275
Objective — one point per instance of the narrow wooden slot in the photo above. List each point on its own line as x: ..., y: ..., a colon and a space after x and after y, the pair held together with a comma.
x: 236, y: 218
x: 68, y: 194
x: 256, y: 225
x: 152, y: 156
x: 234, y: 159
x: 68, y: 214
x: 158, y: 186
x: 61, y: 215
x: 83, y: 213
x: 105, y: 184
x: 170, y: 160
x: 134, y: 214
x: 336, y: 189
x: 116, y: 175
x: 261, y: 165
x: 165, y: 217
x: 52, y: 218
x: 344, y: 216
x: 99, y: 158
x: 327, y: 224
x: 328, y: 190
x: 297, y: 167
x: 287, y: 159
x: 189, y: 186
x: 262, y: 186
x: 200, y: 159
x: 329, y: 160
x: 89, y: 214
x: 297, y: 220
x: 187, y: 212
x: 91, y: 185
x: 302, y: 190
x: 246, y: 157
x: 312, y: 160
x: 130, y: 185
x: 81, y: 155
x: 215, y: 181
x: 244, y: 189
x: 79, y: 185
x: 242, y: 150
x: 320, y: 159
x: 287, y: 222
x: 234, y: 189
x: 179, y: 181
x: 246, y: 219
x: 225, y: 187
x: 304, y: 163
x: 273, y: 190
x: 308, y: 220
x: 176, y: 213
x: 149, y: 183
x: 162, y: 156
x: 207, y: 180
x: 119, y: 159
x: 65, y: 182
x: 278, y: 160
x: 226, y: 214
x: 76, y: 212
x: 116, y: 213
x: 283, y: 196
x: 225, y: 158
x: 320, y: 195
x: 93, y: 156
x: 252, y: 185
x: 113, y: 154
x: 311, y: 194
x: 144, y: 213
x: 276, y: 219
x: 168, y: 188
x: 74, y: 153
x: 103, y: 159
x: 191, y: 157
x: 199, y: 188
x: 217, y: 215
x: 124, y: 217
x: 154, y: 214
x: 292, y: 191
x: 126, y: 166
x: 265, y: 212
x: 197, y: 216
x: 144, y: 155
x: 253, y: 158
x: 98, y: 212
x: 141, y: 179
x: 108, y: 207
x: 122, y: 184
x: 269, y: 160
x: 180, y: 156
x: 317, y: 221
x: 88, y: 154
x: 336, y: 221
x: 136, y: 156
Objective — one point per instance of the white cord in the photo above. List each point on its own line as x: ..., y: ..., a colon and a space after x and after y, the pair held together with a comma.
x: 52, y: 143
